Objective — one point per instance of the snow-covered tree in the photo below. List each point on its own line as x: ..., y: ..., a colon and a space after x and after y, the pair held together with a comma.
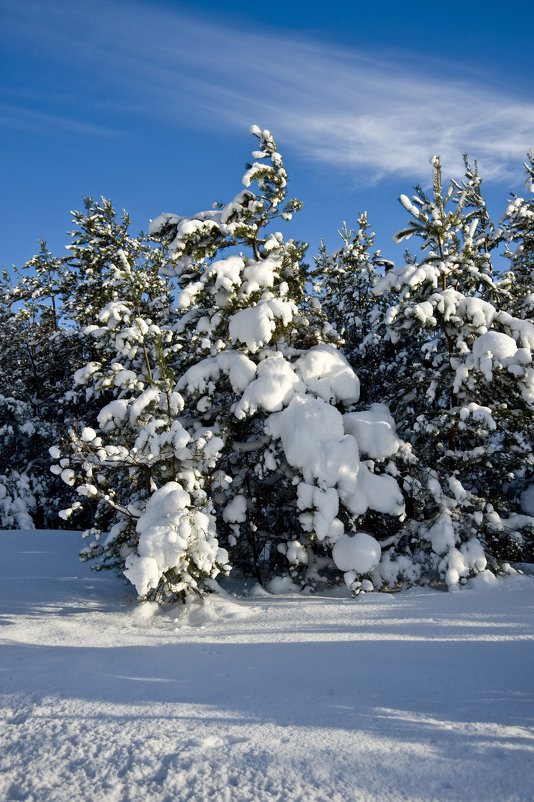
x: 141, y: 469
x: 462, y: 382
x: 262, y: 375
x: 344, y: 281
x: 225, y: 426
x: 518, y: 232
x: 33, y: 387
x: 95, y: 241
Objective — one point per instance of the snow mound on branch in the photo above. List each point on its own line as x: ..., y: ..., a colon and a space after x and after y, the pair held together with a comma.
x: 113, y: 415
x: 173, y: 535
x: 498, y: 350
x: 259, y: 275
x: 491, y: 348
x: 237, y: 366
x: 255, y: 325
x: 226, y: 274
x: 323, y: 371
x: 457, y: 563
x: 325, y: 502
x: 523, y: 330
x: 375, y: 491
x: 273, y: 388
x: 374, y: 429
x: 360, y: 553
x: 314, y: 441
x: 442, y: 535
x: 139, y: 404
x: 162, y: 222
x: 236, y: 510
x: 328, y: 375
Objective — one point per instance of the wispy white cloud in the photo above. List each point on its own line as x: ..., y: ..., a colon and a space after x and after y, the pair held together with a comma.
x: 30, y: 120
x: 375, y: 114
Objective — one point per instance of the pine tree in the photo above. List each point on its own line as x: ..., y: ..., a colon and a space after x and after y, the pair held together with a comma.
x: 33, y: 386
x: 141, y: 469
x: 462, y: 386
x: 344, y: 282
x: 518, y: 232
x: 261, y: 374
x: 93, y: 248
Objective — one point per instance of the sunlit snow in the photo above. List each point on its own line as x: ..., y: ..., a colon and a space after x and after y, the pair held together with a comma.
x: 422, y: 695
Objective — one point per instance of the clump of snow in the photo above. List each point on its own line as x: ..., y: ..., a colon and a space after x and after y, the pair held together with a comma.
x: 138, y: 405
x: 280, y: 585
x: 258, y: 275
x: 458, y: 561
x: 374, y: 429
x: 236, y: 510
x: 255, y: 325
x: 376, y: 491
x: 237, y: 366
x: 360, y: 553
x: 314, y: 441
x: 84, y: 375
x: 478, y: 413
x: 113, y: 415
x: 327, y: 374
x: 174, y: 535
x: 143, y: 613
x: 296, y: 553
x: 482, y: 580
x: 441, y: 534
x: 492, y: 348
x: 274, y: 387
x: 326, y: 504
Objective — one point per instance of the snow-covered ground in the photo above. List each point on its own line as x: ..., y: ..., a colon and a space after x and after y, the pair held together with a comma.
x: 422, y: 695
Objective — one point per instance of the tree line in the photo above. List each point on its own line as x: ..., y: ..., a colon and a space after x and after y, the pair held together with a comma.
x: 199, y: 398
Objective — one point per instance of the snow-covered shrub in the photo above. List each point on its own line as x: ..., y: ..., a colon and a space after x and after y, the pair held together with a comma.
x: 17, y: 501
x: 177, y: 549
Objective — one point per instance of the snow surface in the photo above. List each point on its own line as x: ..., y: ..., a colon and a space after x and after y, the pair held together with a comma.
x: 420, y: 695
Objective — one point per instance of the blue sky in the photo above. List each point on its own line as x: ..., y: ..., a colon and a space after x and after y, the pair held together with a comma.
x: 150, y: 103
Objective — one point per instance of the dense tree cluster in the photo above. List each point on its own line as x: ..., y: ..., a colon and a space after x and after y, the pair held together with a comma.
x: 198, y: 399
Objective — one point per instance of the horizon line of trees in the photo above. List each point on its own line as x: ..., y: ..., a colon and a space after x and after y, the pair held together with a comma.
x: 198, y: 398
